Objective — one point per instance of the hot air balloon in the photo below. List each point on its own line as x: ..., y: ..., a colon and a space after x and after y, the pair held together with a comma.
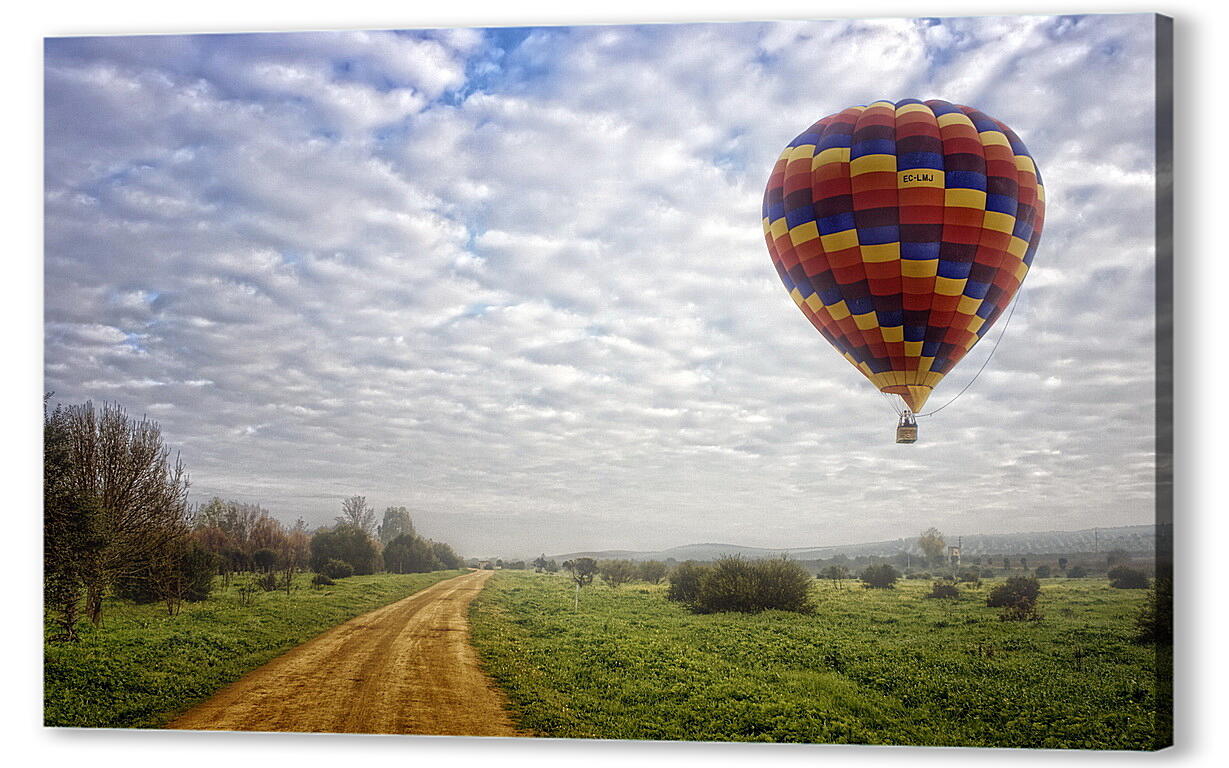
x: 902, y: 231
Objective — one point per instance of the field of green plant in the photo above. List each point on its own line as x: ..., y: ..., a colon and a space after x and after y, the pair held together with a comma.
x: 870, y: 666
x: 141, y: 667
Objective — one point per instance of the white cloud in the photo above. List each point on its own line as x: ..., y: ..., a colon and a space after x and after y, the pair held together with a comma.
x: 535, y: 304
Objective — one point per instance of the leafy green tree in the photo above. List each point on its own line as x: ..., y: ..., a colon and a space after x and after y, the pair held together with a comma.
x: 1042, y: 572
x: 264, y: 559
x: 396, y: 523
x: 1116, y: 557
x: 346, y: 543
x: 410, y: 553
x: 539, y: 563
x: 445, y: 555
x: 1077, y: 572
x: 1062, y: 564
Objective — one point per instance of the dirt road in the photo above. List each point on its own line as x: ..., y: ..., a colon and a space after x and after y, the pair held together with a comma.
x: 405, y: 668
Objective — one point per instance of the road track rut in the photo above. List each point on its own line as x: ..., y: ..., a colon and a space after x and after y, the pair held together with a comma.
x: 405, y: 668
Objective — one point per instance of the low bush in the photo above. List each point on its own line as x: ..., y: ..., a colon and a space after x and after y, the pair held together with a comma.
x: 1013, y: 591
x: 1077, y: 572
x: 1042, y: 572
x: 322, y: 580
x: 1021, y: 610
x: 337, y: 569
x: 268, y: 581
x: 751, y: 586
x: 882, y: 576
x: 944, y: 590
x: 685, y: 582
x: 1123, y: 577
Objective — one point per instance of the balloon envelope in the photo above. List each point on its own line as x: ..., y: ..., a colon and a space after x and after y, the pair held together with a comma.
x: 902, y: 231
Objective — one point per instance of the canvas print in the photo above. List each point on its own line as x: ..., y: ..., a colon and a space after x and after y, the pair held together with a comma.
x: 790, y: 381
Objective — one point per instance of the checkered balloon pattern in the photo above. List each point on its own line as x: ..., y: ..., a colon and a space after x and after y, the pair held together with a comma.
x: 902, y: 231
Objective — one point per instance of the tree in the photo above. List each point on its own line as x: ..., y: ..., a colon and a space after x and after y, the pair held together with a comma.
x: 837, y: 573
x: 1006, y: 563
x: 1062, y: 564
x: 1116, y: 557
x: 582, y: 571
x: 931, y: 542
x: 539, y: 563
x: 355, y: 512
x: 410, y: 553
x: 1077, y: 572
x: 71, y: 529
x: 616, y: 572
x: 1042, y: 572
x: 881, y: 576
x: 125, y: 490
x: 445, y: 555
x: 652, y: 571
x: 396, y: 523
x: 348, y: 544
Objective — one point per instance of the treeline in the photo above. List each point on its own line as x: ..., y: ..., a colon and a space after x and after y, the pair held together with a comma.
x: 117, y: 522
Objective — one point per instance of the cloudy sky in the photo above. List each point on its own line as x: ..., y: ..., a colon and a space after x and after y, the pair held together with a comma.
x: 514, y: 279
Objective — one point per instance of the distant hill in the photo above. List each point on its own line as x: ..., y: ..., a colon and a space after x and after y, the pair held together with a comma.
x: 1132, y: 538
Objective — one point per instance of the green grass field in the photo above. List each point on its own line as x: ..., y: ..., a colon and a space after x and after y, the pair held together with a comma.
x: 142, y: 666
x: 870, y: 666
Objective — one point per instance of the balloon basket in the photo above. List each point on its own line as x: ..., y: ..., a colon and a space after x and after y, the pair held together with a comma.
x: 906, y: 430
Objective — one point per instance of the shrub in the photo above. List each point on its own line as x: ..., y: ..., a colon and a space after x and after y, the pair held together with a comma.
x: 652, y: 571
x: 1155, y: 621
x: 264, y: 559
x: 616, y: 572
x: 1042, y: 572
x: 944, y: 590
x: 751, y: 586
x: 882, y: 576
x: 268, y: 581
x: 1124, y: 577
x: 685, y: 582
x: 969, y: 577
x: 986, y: 573
x: 337, y: 569
x: 1013, y: 591
x: 1077, y: 572
x: 1021, y: 610
x: 322, y: 580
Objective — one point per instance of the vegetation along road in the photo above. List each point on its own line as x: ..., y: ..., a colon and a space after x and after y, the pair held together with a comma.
x: 405, y: 668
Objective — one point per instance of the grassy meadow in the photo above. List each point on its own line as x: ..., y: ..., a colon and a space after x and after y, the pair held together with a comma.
x: 141, y: 666
x: 870, y: 666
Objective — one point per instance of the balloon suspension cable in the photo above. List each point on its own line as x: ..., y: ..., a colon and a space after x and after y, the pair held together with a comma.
x: 998, y: 341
